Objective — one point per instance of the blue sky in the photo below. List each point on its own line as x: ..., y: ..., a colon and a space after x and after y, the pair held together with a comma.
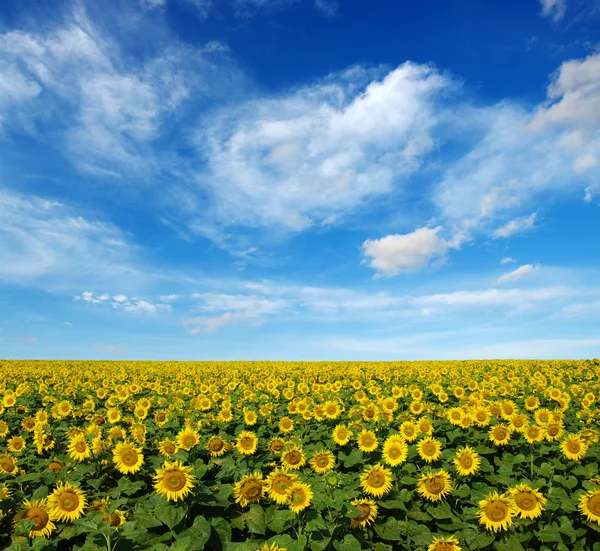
x: 299, y: 179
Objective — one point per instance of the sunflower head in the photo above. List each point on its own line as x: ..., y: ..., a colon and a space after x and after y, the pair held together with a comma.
x: 449, y: 543
x: 376, y: 480
x: 429, y: 449
x: 249, y: 489
x: 435, y: 486
x: 467, y: 461
x: 127, y: 458
x: 173, y: 481
x: 528, y: 501
x: 278, y: 485
x: 496, y: 512
x: 589, y: 505
x: 300, y: 496
x: 67, y: 502
x: 367, y: 513
x: 38, y: 512
x: 322, y: 461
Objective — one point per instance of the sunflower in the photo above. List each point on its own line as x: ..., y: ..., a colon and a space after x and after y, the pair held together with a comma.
x: 272, y: 547
x: 529, y: 501
x: 66, y: 503
x: 553, y: 431
x: 533, y: 434
x: 173, y: 481
x: 36, y: 511
x: 293, y: 458
x: 444, y: 544
x: 4, y: 493
x: 435, y: 486
x: 368, y: 513
x: 376, y: 480
x: 246, y: 442
x: 16, y: 444
x: 589, y: 505
x: 467, y: 461
x: 341, y: 435
x: 249, y: 489
x: 167, y: 447
x: 409, y: 431
x: 78, y: 449
x: 322, y: 461
x: 429, y: 449
x: 367, y: 441
x: 496, y: 512
x: 395, y: 451
x: 286, y: 425
x: 187, y: 438
x: 161, y: 418
x: 573, y: 447
x: 127, y: 458
x: 278, y: 484
x: 299, y: 497
x: 8, y: 465
x: 500, y: 434
x: 276, y: 445
x: 216, y: 446
x: 113, y: 415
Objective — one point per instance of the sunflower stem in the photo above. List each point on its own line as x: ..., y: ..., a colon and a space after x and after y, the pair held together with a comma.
x: 108, y: 543
x: 531, y: 460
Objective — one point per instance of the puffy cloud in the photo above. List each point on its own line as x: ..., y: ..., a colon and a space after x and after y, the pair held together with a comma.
x: 131, y: 305
x: 515, y: 226
x: 507, y: 260
x: 585, y: 162
x: 301, y: 158
x: 521, y: 272
x: 398, y: 253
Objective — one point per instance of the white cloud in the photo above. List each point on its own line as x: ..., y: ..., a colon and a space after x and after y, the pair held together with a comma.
x: 211, y: 324
x: 394, y: 254
x: 131, y: 305
x: 42, y: 238
x: 150, y: 4
x: 301, y: 158
x: 507, y: 260
x: 328, y: 7
x: 573, y: 96
x: 515, y: 226
x: 168, y: 298
x: 554, y: 8
x: 518, y: 274
x: 585, y: 162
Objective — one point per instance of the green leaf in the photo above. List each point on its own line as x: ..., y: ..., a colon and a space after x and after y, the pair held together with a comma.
x: 349, y: 543
x: 255, y: 520
x: 221, y: 532
x: 482, y: 541
x: 200, y: 533
x: 24, y: 527
x: 549, y: 534
x: 182, y: 544
x: 40, y: 493
x: 389, y: 531
x: 354, y: 458
x: 382, y: 547
x: 279, y: 520
x: 512, y: 544
x: 168, y: 514
x: 442, y: 511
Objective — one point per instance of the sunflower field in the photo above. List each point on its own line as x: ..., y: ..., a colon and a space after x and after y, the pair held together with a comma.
x: 245, y: 456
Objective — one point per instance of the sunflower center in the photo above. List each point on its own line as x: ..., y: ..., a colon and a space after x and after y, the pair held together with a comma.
x: 189, y: 441
x: 293, y: 457
x: 394, y: 453
x: 281, y: 484
x: 593, y: 504
x: 429, y: 449
x: 376, y: 480
x: 500, y: 434
x: 68, y: 501
x: 496, y: 511
x: 434, y: 485
x: 573, y: 446
x: 277, y: 446
x: 409, y: 431
x: 216, y: 445
x: 246, y: 443
x: 342, y: 434
x: 175, y: 481
x: 252, y: 490
x: 160, y: 417
x: 169, y: 448
x: 80, y: 446
x: 526, y: 501
x: 39, y: 516
x: 129, y: 458
x: 466, y: 461
x: 365, y: 512
x: 298, y: 497
x: 368, y: 440
x: 553, y: 430
x: 322, y: 461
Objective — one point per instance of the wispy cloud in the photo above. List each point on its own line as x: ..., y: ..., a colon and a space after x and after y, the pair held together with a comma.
x: 554, y: 8
x: 507, y: 260
x: 518, y: 274
x: 515, y: 226
x: 42, y: 238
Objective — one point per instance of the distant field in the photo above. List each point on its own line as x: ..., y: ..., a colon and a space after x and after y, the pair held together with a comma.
x: 422, y: 456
